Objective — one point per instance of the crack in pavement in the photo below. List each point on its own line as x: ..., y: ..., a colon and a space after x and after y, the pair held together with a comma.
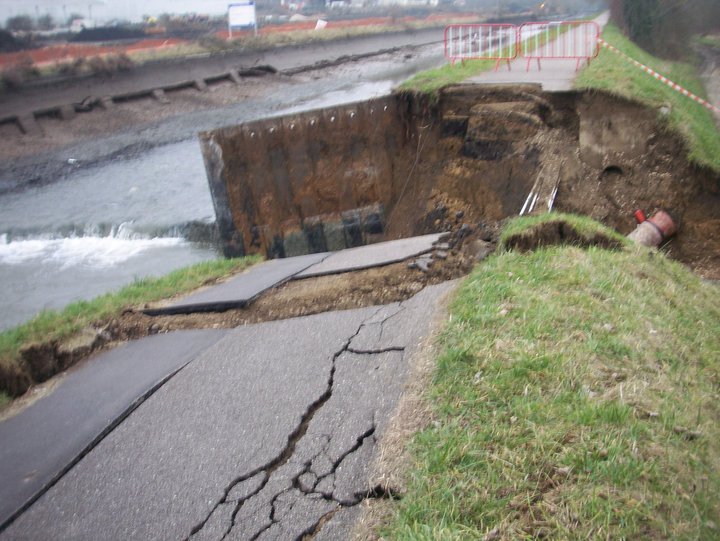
x: 336, y: 464
x: 281, y: 477
x: 269, y: 468
x: 269, y: 431
x: 375, y: 351
x: 401, y: 309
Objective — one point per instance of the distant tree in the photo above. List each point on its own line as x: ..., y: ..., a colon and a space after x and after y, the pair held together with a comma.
x: 664, y: 27
x: 8, y: 43
x: 19, y: 23
x: 46, y: 22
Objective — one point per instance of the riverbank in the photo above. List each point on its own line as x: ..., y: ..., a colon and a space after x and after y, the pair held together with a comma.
x: 353, y: 70
x: 53, y: 341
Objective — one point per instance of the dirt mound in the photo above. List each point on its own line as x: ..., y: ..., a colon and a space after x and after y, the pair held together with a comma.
x: 557, y: 233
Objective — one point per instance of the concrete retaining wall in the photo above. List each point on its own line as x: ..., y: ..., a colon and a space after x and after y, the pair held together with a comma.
x: 305, y: 183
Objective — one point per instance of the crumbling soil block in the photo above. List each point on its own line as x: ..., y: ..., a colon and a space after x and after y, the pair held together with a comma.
x: 39, y: 361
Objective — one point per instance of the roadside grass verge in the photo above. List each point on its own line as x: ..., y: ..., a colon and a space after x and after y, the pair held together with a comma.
x: 54, y: 326
x: 576, y: 397
x: 611, y: 73
x: 429, y: 81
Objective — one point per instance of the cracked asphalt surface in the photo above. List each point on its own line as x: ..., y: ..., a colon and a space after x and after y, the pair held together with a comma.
x: 271, y: 433
x: 90, y: 400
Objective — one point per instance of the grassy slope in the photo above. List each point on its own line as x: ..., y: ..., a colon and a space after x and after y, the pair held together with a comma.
x: 431, y: 80
x: 52, y: 325
x: 561, y: 403
x: 614, y: 74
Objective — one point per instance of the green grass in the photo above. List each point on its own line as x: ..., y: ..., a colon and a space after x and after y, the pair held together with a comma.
x: 611, y: 73
x: 54, y: 325
x: 711, y: 40
x: 430, y: 81
x: 561, y: 399
x: 585, y: 226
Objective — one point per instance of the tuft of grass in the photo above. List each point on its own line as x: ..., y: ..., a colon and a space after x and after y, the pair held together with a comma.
x: 611, y: 73
x: 429, y: 81
x: 576, y: 397
x: 710, y: 40
x: 51, y: 325
x: 585, y: 227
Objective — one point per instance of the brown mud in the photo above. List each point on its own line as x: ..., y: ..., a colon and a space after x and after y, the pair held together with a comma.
x: 604, y: 156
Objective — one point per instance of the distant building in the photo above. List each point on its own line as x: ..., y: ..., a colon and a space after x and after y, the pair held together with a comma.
x: 78, y: 25
x: 408, y: 3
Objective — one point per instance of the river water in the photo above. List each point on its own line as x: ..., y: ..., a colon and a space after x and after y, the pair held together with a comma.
x: 99, y: 228
x: 102, y: 227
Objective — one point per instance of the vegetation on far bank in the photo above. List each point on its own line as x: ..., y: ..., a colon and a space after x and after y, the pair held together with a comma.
x: 576, y: 397
x: 55, y: 326
x: 12, y: 77
x: 611, y: 73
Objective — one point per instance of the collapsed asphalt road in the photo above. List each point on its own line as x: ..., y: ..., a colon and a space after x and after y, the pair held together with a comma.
x: 271, y: 433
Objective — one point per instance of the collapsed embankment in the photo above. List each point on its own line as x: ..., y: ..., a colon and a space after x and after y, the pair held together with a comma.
x: 409, y: 164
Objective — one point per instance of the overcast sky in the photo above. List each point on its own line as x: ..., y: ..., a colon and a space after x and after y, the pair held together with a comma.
x: 104, y: 10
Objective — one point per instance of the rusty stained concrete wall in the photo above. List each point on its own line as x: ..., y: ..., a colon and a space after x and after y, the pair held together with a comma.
x: 311, y: 182
x: 401, y: 166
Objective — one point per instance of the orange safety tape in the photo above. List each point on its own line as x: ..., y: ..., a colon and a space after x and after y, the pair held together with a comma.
x: 660, y: 77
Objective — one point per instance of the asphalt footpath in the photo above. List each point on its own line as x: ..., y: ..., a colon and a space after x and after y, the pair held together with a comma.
x: 372, y: 255
x: 43, y: 441
x: 268, y: 433
x: 240, y: 290
x: 214, y: 432
x: 555, y: 75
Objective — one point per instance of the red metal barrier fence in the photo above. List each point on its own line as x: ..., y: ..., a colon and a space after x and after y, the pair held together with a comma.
x: 577, y: 40
x: 481, y: 41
